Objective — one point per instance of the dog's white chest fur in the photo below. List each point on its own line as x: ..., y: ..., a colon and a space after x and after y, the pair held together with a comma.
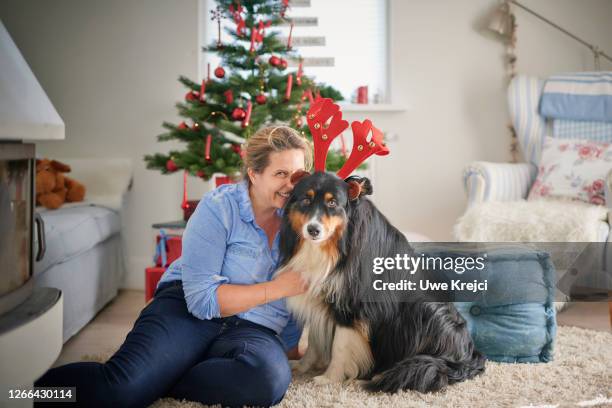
x: 343, y: 350
x: 314, y: 267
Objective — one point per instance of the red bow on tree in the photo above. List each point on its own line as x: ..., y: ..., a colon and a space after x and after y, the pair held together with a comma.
x: 237, y: 16
x: 257, y: 34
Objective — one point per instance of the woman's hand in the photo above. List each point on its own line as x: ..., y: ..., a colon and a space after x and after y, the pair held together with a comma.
x: 235, y: 299
x: 290, y: 283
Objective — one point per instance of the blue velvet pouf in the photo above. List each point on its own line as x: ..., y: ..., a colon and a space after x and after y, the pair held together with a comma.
x: 514, y: 320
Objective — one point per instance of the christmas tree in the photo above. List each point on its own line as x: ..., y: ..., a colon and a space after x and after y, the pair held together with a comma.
x: 252, y: 88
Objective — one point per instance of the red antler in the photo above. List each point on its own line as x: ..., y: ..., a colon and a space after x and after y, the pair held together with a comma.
x: 362, y: 149
x: 324, y: 133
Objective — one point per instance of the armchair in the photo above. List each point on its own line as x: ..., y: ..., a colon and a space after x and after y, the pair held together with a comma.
x: 485, y: 181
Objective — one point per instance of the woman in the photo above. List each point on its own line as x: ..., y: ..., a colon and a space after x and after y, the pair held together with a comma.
x: 217, y: 330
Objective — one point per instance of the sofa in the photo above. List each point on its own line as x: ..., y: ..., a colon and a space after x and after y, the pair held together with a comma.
x: 83, y: 242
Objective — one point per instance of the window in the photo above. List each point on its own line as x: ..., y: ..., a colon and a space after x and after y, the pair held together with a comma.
x: 355, y: 39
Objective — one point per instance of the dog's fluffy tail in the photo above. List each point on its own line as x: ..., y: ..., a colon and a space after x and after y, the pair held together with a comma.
x: 426, y: 373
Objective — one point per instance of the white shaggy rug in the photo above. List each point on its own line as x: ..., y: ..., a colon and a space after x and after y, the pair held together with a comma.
x: 531, y: 221
x: 580, y: 375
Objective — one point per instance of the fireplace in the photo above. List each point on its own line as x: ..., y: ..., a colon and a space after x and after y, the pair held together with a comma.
x: 16, y: 213
x: 30, y: 318
x: 27, y: 315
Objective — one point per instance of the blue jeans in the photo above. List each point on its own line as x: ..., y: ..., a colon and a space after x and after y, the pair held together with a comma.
x: 170, y: 353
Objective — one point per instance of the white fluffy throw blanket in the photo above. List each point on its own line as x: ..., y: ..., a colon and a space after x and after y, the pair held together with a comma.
x: 531, y: 221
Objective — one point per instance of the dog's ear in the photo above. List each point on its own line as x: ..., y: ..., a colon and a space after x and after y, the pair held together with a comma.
x: 358, y: 187
x: 298, y: 175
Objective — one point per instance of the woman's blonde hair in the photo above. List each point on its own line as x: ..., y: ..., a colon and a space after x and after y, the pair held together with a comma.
x: 273, y: 139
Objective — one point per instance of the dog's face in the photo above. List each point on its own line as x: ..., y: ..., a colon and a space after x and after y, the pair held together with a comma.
x: 318, y: 208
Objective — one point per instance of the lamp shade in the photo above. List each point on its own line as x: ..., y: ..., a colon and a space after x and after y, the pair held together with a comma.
x: 500, y: 21
x: 26, y: 113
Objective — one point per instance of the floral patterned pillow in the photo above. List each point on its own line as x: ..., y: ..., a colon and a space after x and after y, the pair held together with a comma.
x: 573, y: 168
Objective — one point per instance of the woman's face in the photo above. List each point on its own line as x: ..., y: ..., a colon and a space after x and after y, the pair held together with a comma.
x: 272, y: 186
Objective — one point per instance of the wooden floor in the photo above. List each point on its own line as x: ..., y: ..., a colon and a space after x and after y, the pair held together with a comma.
x: 105, y: 333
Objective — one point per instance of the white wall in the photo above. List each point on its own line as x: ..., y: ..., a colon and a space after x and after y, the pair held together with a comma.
x: 452, y: 76
x: 110, y: 68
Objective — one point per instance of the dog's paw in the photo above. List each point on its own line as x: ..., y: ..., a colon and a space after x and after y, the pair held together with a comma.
x: 321, y: 380
x: 361, y: 383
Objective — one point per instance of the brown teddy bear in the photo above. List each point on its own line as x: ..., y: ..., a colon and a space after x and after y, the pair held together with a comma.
x: 53, y: 188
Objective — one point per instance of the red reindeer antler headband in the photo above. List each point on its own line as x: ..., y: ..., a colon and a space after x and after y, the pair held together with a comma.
x: 325, y: 122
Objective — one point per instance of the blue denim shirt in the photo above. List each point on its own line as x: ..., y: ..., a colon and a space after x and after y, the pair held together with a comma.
x: 223, y: 244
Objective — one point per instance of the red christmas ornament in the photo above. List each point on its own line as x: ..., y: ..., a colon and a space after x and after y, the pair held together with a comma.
x: 282, y: 64
x: 274, y: 61
x: 183, y: 126
x: 171, y: 166
x: 238, y: 114
x: 196, y: 127
x: 201, y: 174
x: 219, y: 72
x: 192, y: 96
x: 236, y: 148
x: 261, y: 99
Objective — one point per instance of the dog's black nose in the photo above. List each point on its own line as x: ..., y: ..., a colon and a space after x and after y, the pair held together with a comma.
x: 313, y: 230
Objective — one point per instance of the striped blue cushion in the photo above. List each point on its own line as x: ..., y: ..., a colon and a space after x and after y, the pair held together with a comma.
x: 583, y: 96
x: 572, y: 129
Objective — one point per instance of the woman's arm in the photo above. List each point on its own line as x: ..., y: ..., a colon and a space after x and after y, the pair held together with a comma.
x: 207, y: 293
x: 233, y: 299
